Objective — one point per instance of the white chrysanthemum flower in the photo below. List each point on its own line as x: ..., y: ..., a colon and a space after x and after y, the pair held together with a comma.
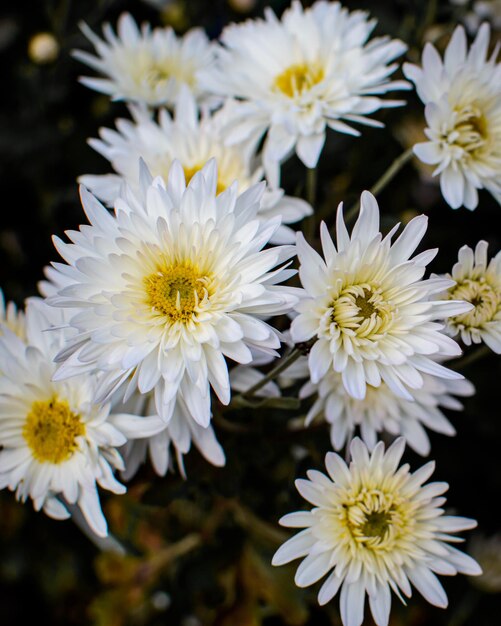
x: 462, y: 95
x: 57, y: 443
x: 171, y: 284
x: 479, y: 283
x: 381, y: 410
x: 144, y: 65
x: 180, y: 433
x: 312, y: 69
x: 376, y: 528
x: 193, y: 142
x: 11, y: 317
x: 371, y: 313
x: 487, y: 551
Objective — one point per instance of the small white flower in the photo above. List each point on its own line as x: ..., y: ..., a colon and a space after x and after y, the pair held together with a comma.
x: 193, y: 142
x: 11, y: 317
x: 312, y: 69
x: 374, y: 528
x: 156, y: 443
x: 57, y: 443
x: 479, y: 283
x: 171, y: 284
x: 144, y: 65
x: 462, y: 95
x: 381, y: 410
x: 372, y: 315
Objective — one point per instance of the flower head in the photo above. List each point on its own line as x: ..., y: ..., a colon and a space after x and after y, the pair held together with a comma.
x: 146, y: 66
x: 295, y: 76
x: 193, y: 142
x: 479, y: 283
x: 382, y: 410
x: 462, y: 95
x: 168, y: 286
x: 374, y: 528
x: 56, y: 442
x: 372, y: 315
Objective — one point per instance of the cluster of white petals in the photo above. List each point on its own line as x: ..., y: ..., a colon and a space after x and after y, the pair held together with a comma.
x: 462, y: 94
x: 478, y: 281
x: 294, y: 77
x: 57, y: 444
x: 168, y: 286
x: 372, y: 316
x: 192, y: 141
x: 141, y: 65
x: 374, y: 528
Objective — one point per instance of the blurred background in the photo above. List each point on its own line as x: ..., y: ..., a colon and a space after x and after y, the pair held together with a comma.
x: 199, y: 550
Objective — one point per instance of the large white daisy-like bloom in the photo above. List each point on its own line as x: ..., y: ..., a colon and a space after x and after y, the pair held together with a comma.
x: 169, y: 285
x: 374, y: 528
x: 382, y: 410
x: 313, y: 69
x: 178, y: 434
x: 478, y: 281
x: 57, y: 442
x: 462, y: 95
x: 193, y: 142
x: 147, y: 66
x: 370, y: 312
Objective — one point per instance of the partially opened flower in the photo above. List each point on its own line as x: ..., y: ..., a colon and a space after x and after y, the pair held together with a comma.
x: 374, y: 528
x: 168, y: 286
x: 462, y: 95
x: 146, y: 66
x: 11, y: 317
x: 478, y: 282
x: 315, y: 68
x: 193, y: 142
x: 382, y: 410
x: 371, y: 314
x: 57, y: 443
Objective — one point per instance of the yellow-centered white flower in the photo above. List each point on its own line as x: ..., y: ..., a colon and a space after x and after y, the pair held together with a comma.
x: 374, y: 528
x: 57, y: 444
x: 146, y: 66
x: 193, y: 142
x: 169, y: 285
x: 312, y: 69
x: 372, y: 316
x: 462, y: 95
x: 478, y: 282
x: 381, y: 410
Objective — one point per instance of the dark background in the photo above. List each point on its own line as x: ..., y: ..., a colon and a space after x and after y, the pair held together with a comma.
x: 49, y: 571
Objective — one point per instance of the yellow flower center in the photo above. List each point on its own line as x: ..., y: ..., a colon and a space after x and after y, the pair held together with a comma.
x: 374, y: 518
x: 486, y: 299
x: 470, y: 131
x: 51, y: 430
x: 189, y: 172
x: 361, y: 310
x: 298, y: 78
x: 177, y: 291
x: 157, y: 74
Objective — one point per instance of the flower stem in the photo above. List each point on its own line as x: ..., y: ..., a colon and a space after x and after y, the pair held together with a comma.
x: 471, y: 357
x: 386, y: 178
x: 311, y: 198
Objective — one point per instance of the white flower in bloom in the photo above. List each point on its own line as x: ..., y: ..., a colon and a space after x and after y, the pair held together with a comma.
x: 462, y: 95
x: 57, y: 443
x: 478, y: 282
x: 171, y: 284
x: 193, y: 142
x: 11, y: 317
x: 370, y: 310
x: 376, y: 528
x: 144, y: 65
x: 312, y: 69
x: 180, y: 432
x: 382, y: 410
